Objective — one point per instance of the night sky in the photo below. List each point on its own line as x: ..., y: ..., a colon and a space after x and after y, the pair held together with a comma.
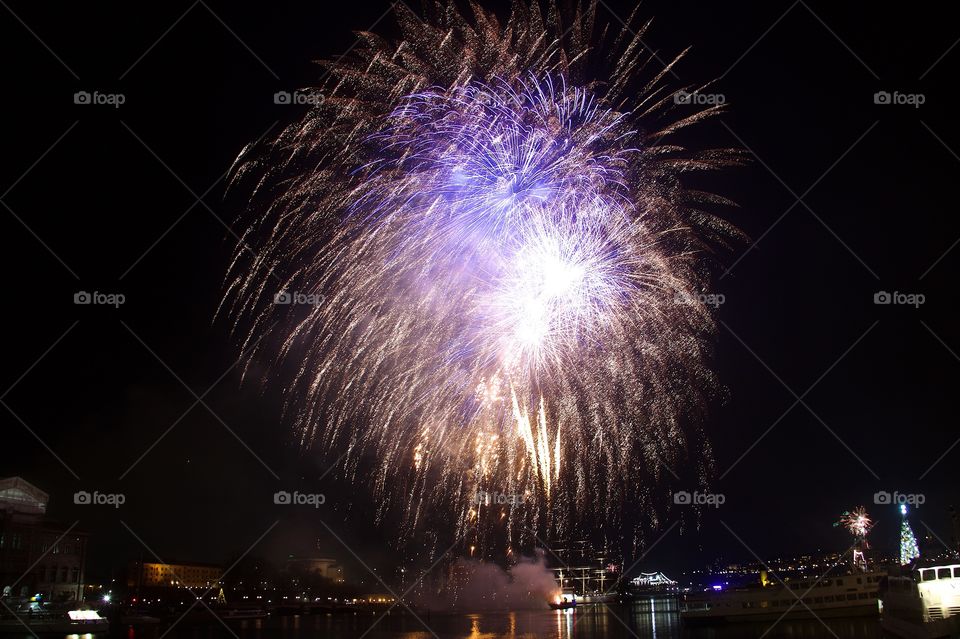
x: 844, y: 198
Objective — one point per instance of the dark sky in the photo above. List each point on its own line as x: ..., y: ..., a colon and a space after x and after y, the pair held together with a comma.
x: 106, y: 199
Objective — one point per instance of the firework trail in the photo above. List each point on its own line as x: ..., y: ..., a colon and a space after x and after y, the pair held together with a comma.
x: 509, y: 270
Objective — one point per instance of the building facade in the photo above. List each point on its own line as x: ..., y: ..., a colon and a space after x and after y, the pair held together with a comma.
x: 37, y: 556
x: 173, y: 575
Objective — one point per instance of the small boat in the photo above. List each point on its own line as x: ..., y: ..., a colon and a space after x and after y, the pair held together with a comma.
x: 203, y: 615
x: 241, y: 613
x: 602, y: 598
x: 40, y: 621
x: 563, y: 604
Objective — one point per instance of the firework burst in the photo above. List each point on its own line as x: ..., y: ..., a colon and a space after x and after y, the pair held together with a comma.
x: 509, y: 267
x: 857, y: 522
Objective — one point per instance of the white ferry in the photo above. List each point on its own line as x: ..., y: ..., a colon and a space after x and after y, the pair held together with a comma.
x: 852, y: 595
x: 38, y: 621
x: 923, y: 602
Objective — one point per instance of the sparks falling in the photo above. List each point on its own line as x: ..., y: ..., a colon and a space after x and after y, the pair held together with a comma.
x: 509, y: 268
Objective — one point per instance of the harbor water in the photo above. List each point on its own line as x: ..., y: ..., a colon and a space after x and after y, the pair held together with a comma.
x: 646, y: 619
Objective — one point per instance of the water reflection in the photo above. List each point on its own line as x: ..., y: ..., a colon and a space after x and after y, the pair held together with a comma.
x: 648, y: 619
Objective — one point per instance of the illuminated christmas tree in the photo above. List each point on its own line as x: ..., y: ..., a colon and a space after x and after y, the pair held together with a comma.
x: 908, y: 543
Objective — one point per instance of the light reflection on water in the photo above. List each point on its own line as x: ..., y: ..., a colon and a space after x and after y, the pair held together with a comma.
x: 650, y: 619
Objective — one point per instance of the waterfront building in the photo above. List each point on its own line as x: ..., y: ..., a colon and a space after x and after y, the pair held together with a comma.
x: 38, y: 556
x: 151, y: 574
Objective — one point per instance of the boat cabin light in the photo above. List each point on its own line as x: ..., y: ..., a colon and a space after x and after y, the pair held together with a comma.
x: 83, y: 615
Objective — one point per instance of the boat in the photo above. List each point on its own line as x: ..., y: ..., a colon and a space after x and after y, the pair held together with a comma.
x: 652, y: 583
x: 562, y: 603
x: 228, y: 614
x: 41, y: 621
x: 606, y: 598
x: 203, y: 615
x: 851, y: 595
x: 224, y: 611
x: 923, y: 602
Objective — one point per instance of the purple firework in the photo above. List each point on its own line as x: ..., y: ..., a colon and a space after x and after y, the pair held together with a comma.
x: 509, y: 270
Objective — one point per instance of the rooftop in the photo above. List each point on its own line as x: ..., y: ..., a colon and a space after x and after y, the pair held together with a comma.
x: 20, y: 496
